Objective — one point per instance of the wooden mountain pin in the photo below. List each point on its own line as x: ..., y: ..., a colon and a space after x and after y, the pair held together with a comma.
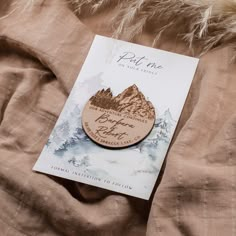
x: 120, y: 121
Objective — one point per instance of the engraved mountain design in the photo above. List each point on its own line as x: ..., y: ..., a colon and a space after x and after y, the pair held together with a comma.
x: 130, y: 101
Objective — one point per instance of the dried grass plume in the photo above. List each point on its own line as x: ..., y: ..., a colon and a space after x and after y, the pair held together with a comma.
x: 208, y: 23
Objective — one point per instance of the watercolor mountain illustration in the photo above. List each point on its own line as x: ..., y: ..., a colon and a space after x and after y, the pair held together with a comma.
x: 130, y: 101
x: 159, y: 137
x: 70, y: 144
x: 69, y: 136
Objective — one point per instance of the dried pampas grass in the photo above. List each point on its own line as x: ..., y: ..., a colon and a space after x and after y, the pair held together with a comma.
x: 205, y: 23
x: 82, y: 7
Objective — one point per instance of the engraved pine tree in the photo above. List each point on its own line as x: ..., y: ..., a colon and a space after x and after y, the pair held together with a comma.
x: 130, y: 101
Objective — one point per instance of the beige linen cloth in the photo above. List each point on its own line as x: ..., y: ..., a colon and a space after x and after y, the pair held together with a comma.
x: 42, y: 49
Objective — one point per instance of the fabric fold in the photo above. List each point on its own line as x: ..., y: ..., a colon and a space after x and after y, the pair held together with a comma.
x: 49, y: 31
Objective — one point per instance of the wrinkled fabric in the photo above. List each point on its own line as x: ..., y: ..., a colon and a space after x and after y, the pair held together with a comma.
x: 42, y: 49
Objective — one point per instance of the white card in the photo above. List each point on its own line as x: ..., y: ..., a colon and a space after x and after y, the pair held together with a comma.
x: 163, y: 77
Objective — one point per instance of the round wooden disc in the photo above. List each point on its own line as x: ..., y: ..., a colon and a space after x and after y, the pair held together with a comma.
x: 118, y: 122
